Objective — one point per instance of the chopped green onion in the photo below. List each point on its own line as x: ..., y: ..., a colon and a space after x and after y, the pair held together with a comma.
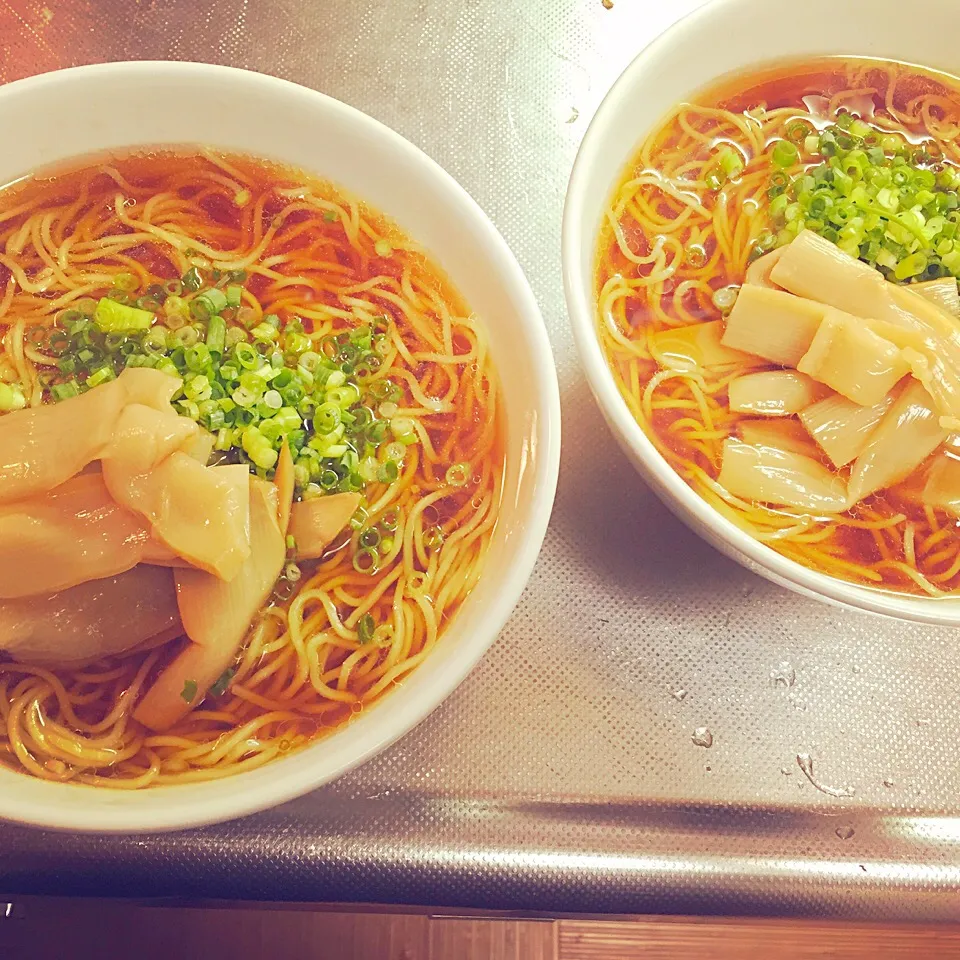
x: 220, y: 685
x: 730, y: 162
x: 785, y: 153
x: 873, y: 195
x: 433, y: 538
x: 213, y: 300
x: 388, y: 472
x: 252, y: 396
x: 910, y: 266
x: 370, y: 537
x: 126, y: 282
x: 189, y: 691
x: 119, y: 318
x: 101, y: 375
x: 366, y: 626
x: 192, y: 279
x: 696, y: 256
x: 366, y: 560
x: 459, y: 474
x: 216, y: 334
x: 12, y: 398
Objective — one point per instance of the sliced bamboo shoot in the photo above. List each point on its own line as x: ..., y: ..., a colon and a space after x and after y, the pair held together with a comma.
x: 43, y: 447
x: 74, y: 533
x: 815, y: 268
x: 784, y: 434
x: 909, y: 432
x: 696, y: 347
x: 943, y: 292
x: 283, y: 481
x: 144, y: 436
x: 819, y: 270
x: 856, y: 362
x: 200, y: 513
x: 95, y: 619
x: 942, y: 491
x: 200, y: 448
x: 758, y: 273
x: 940, y: 333
x: 315, y: 523
x: 152, y: 388
x: 772, y: 324
x: 774, y: 393
x: 763, y: 474
x: 216, y: 617
x: 843, y: 428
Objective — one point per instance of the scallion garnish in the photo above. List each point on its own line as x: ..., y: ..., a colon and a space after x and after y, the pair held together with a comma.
x: 366, y: 626
x: 111, y: 316
x: 877, y: 196
x: 11, y: 397
x: 219, y: 687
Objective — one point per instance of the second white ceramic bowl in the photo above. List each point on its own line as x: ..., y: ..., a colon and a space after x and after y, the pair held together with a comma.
x: 722, y: 38
x: 91, y: 109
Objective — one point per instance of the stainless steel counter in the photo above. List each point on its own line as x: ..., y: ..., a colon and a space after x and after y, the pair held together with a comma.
x: 565, y: 774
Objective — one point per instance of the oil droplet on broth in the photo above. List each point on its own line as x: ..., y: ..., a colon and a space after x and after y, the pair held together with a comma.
x: 702, y: 737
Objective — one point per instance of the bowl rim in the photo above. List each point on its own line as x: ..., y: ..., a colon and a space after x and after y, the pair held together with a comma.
x: 181, y: 806
x: 704, y: 519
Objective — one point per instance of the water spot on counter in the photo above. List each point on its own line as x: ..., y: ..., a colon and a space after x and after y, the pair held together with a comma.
x: 805, y: 763
x: 783, y: 675
x: 702, y: 737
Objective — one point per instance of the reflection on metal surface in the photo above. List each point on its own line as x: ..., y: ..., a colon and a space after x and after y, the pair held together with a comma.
x: 562, y: 775
x: 946, y: 829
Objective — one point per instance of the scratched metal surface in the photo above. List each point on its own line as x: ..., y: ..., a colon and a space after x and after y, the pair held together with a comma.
x: 565, y: 774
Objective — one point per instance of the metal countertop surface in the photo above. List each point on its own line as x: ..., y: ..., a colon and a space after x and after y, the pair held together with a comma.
x: 564, y: 775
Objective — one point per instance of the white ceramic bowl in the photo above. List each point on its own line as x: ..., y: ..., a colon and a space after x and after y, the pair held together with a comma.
x: 74, y: 112
x: 720, y: 38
